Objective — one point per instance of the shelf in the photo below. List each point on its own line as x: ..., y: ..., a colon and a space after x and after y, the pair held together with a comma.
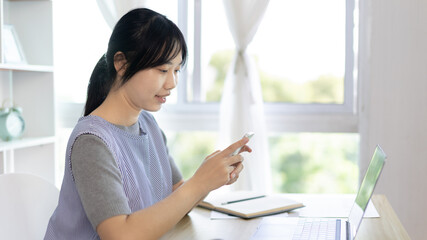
x: 30, y: 85
x: 26, y: 67
x: 26, y: 142
x: 29, y: 0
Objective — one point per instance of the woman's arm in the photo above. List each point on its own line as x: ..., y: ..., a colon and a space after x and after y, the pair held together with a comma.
x: 156, y: 220
x: 177, y: 185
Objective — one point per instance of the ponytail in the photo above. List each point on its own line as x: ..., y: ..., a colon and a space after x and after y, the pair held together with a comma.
x: 99, y: 86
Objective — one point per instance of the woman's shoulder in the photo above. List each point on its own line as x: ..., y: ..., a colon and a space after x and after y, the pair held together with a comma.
x: 92, y: 125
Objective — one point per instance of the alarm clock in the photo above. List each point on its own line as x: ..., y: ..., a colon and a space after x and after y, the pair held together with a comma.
x: 12, y: 125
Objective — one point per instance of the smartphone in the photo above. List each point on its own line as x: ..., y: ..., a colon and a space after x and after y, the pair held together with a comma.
x: 248, y: 135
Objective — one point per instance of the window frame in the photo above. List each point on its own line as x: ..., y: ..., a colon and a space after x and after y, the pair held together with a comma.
x: 280, y: 117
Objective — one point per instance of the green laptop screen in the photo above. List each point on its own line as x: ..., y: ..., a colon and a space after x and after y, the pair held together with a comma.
x: 370, y: 179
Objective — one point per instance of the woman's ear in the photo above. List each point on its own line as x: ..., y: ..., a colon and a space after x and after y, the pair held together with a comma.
x: 120, y: 63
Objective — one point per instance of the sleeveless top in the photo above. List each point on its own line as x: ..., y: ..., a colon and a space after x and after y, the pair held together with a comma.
x: 146, y: 179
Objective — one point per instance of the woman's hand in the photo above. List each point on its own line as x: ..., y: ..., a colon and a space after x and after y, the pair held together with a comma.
x: 220, y: 168
x: 217, y: 169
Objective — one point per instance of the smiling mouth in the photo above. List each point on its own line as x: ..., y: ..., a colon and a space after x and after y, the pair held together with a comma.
x: 162, y: 98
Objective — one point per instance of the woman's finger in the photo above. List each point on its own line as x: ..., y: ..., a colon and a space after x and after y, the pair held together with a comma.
x: 213, y: 154
x: 245, y: 148
x: 233, y: 147
x: 234, y: 175
x: 234, y: 160
x: 238, y: 168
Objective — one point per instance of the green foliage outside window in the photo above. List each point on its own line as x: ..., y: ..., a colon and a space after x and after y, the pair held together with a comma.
x: 300, y: 162
x: 189, y: 149
x: 314, y: 162
x: 220, y: 61
x: 324, y: 89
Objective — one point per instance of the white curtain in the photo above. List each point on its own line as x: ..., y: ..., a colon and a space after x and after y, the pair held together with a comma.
x: 242, y: 104
x: 113, y: 10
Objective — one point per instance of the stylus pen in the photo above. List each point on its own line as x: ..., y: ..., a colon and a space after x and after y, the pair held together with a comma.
x: 241, y: 200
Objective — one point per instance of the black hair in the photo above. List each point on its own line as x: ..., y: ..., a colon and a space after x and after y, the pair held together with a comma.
x: 147, y: 39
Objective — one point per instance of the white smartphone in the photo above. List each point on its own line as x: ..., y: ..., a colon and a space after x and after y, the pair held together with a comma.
x: 248, y: 135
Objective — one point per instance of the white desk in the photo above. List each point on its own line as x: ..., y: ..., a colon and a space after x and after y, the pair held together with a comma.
x: 198, y: 225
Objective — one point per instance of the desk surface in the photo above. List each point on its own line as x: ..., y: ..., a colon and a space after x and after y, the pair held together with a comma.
x: 198, y: 225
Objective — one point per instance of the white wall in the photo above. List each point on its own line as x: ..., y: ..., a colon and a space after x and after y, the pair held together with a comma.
x: 393, y: 102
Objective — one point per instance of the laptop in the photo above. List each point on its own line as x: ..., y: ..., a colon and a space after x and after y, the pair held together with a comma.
x: 327, y: 228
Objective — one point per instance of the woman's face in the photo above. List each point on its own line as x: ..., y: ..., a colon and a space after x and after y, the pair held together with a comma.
x: 148, y: 88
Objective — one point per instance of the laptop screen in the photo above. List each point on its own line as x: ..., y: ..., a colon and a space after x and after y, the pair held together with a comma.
x: 366, y: 189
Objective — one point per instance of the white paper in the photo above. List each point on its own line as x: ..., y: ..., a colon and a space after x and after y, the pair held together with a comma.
x: 318, y: 205
x: 218, y: 215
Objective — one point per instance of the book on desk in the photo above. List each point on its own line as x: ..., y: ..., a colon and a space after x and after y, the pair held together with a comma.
x: 247, y: 204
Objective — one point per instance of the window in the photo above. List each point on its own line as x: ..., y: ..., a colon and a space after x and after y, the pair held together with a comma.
x: 305, y: 56
x: 314, y: 162
x: 301, y: 162
x: 304, y: 52
x: 300, y: 50
x: 303, y: 49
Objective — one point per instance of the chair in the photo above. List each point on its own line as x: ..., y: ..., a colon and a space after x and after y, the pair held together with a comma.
x: 26, y: 204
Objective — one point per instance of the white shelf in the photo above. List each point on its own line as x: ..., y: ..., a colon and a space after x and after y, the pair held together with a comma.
x: 26, y: 142
x: 30, y: 86
x: 29, y: 0
x: 26, y: 67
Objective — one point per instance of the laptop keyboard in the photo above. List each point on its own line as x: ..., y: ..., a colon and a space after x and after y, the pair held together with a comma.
x: 317, y: 228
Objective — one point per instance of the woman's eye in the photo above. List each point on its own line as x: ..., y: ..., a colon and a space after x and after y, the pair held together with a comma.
x: 163, y: 71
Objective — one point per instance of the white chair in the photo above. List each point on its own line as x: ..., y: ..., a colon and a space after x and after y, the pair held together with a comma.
x: 26, y: 204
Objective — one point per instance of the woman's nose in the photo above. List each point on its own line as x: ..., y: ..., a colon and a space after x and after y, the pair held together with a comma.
x: 171, y: 81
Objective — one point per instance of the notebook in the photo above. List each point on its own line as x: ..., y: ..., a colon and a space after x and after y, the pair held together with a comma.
x: 248, y: 204
x: 327, y: 228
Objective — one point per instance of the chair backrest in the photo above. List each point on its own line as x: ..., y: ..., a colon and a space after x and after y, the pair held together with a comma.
x: 26, y: 204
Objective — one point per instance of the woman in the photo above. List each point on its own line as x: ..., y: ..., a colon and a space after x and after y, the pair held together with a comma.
x: 119, y: 180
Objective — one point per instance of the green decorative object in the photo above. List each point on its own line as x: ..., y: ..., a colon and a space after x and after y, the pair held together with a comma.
x: 12, y: 124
